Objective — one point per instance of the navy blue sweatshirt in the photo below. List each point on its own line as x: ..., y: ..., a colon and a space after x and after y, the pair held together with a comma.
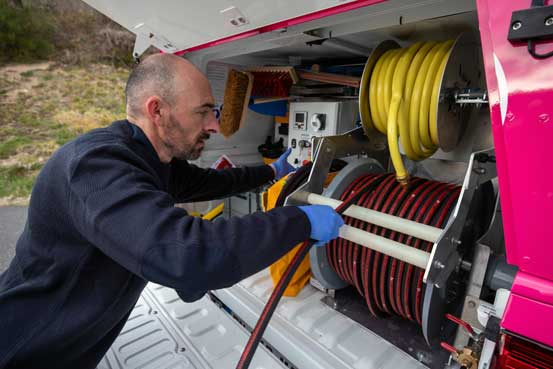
x: 102, y: 223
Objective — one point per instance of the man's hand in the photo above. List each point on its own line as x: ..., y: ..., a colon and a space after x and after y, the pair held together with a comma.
x: 281, y: 167
x: 325, y: 222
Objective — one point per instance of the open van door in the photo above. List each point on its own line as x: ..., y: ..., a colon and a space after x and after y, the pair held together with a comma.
x: 174, y: 26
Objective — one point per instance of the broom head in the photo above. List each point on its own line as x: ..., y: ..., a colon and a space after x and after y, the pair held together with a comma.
x: 237, y: 96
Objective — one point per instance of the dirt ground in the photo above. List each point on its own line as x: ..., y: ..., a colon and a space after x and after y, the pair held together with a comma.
x: 13, y: 74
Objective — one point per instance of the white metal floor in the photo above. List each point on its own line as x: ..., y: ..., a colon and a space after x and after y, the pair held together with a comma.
x: 163, y: 332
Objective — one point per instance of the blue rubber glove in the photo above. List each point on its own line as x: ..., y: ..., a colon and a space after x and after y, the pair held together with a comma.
x: 325, y: 222
x: 281, y: 166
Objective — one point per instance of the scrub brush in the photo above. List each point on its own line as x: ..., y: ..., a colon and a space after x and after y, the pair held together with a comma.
x: 237, y: 96
x: 270, y: 84
x: 273, y: 81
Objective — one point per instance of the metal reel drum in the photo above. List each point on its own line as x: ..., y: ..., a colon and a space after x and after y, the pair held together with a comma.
x: 464, y: 70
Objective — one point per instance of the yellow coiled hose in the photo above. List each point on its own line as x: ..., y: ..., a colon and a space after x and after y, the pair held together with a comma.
x: 403, y: 96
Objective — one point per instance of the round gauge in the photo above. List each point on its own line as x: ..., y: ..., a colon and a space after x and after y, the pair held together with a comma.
x: 317, y: 122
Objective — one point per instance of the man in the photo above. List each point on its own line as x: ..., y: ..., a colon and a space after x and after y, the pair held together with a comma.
x: 102, y: 223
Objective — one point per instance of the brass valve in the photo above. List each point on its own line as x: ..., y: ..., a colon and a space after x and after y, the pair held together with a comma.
x: 466, y: 358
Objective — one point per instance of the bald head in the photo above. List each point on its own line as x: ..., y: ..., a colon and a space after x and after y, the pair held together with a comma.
x: 159, y: 75
x: 171, y: 101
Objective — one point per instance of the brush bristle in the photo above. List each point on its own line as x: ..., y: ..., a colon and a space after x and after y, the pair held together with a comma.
x: 271, y: 84
x: 235, y: 102
x: 273, y: 81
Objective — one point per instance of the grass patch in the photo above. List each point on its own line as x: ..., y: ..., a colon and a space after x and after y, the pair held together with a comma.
x: 30, y: 120
x: 64, y: 135
x: 16, y: 181
x: 27, y: 74
x: 66, y: 101
x: 12, y: 145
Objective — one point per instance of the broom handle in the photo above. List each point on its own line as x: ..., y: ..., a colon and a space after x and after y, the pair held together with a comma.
x: 263, y: 100
x: 338, y: 79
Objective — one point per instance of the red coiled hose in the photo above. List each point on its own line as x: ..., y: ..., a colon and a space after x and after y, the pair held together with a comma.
x: 390, y: 286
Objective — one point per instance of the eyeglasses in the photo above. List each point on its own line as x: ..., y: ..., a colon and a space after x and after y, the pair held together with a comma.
x: 217, y: 112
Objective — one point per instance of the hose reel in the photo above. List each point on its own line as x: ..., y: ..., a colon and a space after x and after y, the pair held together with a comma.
x: 439, y: 222
x: 388, y: 285
x: 398, y: 248
x: 416, y: 96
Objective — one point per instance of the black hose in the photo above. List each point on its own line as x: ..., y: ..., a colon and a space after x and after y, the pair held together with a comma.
x: 294, y: 181
x: 272, y: 303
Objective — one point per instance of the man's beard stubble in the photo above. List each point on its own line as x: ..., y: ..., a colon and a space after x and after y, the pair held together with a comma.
x: 193, y: 152
x: 189, y: 151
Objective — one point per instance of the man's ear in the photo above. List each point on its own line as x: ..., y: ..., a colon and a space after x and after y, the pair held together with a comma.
x: 153, y: 107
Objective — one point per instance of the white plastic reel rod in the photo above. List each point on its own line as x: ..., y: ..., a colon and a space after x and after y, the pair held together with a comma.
x: 391, y: 248
x: 398, y: 224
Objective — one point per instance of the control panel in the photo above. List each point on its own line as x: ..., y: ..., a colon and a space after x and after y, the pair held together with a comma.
x: 300, y: 121
x: 317, y: 119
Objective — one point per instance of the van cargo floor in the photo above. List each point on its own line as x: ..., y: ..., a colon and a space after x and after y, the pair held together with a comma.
x: 164, y: 332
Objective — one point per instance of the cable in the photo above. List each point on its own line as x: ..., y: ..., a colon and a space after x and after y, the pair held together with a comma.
x: 535, y: 54
x: 404, y: 90
x: 272, y: 303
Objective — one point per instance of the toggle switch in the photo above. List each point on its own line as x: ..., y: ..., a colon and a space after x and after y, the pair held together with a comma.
x: 304, y: 143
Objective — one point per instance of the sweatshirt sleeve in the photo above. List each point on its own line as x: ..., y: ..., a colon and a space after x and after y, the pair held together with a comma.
x: 192, y: 183
x: 117, y: 206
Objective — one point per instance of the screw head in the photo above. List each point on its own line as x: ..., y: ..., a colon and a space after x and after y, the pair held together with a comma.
x: 549, y: 21
x: 516, y: 25
x: 438, y: 264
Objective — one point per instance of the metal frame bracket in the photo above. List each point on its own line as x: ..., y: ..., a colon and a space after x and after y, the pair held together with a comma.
x: 445, y: 258
x: 354, y: 142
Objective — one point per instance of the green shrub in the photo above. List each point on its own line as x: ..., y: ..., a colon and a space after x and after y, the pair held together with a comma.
x: 26, y: 34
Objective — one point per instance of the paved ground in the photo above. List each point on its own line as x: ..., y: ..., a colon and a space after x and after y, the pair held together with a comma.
x: 12, y: 220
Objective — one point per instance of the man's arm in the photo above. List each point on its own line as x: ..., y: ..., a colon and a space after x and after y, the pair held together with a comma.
x: 192, y: 183
x: 118, y: 207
